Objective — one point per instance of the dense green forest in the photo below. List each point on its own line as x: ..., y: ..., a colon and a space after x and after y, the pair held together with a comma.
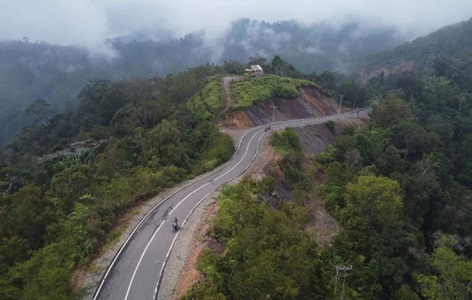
x: 399, y: 187
x: 66, y: 179
x: 65, y: 182
x: 424, y: 52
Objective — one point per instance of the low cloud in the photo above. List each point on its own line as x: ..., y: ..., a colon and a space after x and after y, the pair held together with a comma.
x: 90, y: 22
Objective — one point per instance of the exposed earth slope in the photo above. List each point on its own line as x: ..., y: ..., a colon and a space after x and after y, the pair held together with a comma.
x: 311, y: 102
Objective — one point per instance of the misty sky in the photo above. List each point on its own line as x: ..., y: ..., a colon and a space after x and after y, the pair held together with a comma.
x: 89, y: 22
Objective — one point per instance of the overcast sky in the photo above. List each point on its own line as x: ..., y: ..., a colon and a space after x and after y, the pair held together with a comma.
x: 91, y: 21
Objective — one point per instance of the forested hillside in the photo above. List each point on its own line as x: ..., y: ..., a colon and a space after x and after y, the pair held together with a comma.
x: 65, y: 182
x: 399, y: 187
x: 424, y: 53
x: 31, y: 70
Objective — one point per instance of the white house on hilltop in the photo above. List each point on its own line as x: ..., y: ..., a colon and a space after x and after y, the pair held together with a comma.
x: 254, y: 71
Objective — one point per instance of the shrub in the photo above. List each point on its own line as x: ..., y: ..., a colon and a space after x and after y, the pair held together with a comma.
x: 331, y: 126
x: 247, y: 92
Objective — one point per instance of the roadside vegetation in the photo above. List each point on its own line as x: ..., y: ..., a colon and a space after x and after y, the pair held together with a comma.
x: 67, y: 179
x: 268, y: 254
x: 400, y: 188
x: 133, y: 140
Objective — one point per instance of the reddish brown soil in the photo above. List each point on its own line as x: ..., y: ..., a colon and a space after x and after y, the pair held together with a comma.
x: 403, y: 65
x: 238, y: 120
x: 199, y: 242
x: 320, y: 103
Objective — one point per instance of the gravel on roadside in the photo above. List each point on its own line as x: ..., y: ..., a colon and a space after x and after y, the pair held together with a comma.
x: 176, y: 264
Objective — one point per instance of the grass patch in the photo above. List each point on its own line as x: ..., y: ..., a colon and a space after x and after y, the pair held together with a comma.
x: 250, y: 91
x: 209, y: 100
x: 94, y: 269
x: 115, y: 235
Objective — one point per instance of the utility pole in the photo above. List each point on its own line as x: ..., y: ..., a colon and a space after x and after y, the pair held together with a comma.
x: 340, y: 103
x: 341, y: 271
x: 273, y: 112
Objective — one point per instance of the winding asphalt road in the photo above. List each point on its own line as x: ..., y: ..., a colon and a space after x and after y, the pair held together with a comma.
x: 136, y: 270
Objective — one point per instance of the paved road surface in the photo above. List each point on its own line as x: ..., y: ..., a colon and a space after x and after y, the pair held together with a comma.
x: 136, y: 270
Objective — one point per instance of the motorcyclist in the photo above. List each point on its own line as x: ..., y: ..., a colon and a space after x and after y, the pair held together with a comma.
x: 175, y: 224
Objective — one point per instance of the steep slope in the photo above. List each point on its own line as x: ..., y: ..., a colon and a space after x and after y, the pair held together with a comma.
x: 308, y: 101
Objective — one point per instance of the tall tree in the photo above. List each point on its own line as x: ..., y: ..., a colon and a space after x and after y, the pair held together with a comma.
x: 40, y: 110
x: 371, y: 203
x: 453, y: 279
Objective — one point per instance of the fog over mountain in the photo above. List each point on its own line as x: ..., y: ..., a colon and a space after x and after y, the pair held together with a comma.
x: 89, y: 23
x: 50, y: 49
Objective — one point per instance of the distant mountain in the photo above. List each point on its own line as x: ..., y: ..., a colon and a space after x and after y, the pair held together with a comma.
x: 423, y: 53
x: 318, y: 47
x: 31, y: 71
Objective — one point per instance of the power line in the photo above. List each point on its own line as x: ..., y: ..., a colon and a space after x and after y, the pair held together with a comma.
x: 340, y: 103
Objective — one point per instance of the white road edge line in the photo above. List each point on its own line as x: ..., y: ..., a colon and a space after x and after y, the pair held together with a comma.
x: 152, y: 238
x: 156, y: 289
x: 140, y: 259
x: 117, y: 255
x: 185, y: 198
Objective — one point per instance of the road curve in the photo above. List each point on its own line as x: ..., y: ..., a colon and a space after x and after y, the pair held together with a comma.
x: 136, y: 270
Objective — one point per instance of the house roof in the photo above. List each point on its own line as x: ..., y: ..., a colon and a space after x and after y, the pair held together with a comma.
x: 256, y: 68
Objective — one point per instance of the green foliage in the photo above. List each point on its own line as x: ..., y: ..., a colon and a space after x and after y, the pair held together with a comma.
x: 331, y: 126
x: 454, y: 275
x: 371, y: 203
x: 326, y: 156
x: 39, y: 110
x: 391, y: 112
x: 220, y: 151
x: 285, y: 142
x: 45, y: 275
x: 204, y: 290
x: 212, y: 95
x: 408, y: 174
x: 449, y: 41
x: 251, y: 91
x: 268, y: 185
x: 125, y: 142
x: 288, y: 145
x: 267, y: 254
x: 353, y: 93
x: 400, y: 179
x: 209, y: 101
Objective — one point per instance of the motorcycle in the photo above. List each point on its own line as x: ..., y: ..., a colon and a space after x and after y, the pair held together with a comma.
x: 175, y: 225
